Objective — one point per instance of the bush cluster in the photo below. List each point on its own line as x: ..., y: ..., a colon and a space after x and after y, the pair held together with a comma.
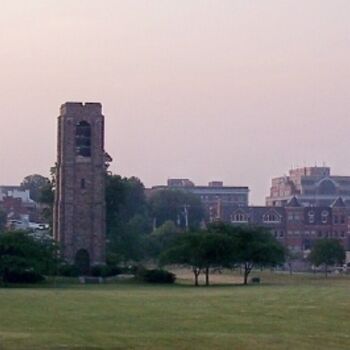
x: 20, y: 276
x: 67, y: 270
x: 156, y: 276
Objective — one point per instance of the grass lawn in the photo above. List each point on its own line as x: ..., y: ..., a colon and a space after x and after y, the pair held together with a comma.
x: 299, y: 312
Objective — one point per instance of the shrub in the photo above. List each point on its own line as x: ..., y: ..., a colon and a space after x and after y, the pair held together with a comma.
x: 68, y: 271
x: 156, y: 276
x: 18, y: 276
x: 24, y: 259
x: 255, y: 280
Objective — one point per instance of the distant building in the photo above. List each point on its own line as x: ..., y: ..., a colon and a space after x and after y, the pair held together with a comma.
x: 296, y: 226
x: 17, y: 205
x: 312, y: 186
x: 211, y: 196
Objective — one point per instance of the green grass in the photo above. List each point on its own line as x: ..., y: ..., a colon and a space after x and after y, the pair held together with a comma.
x: 298, y: 312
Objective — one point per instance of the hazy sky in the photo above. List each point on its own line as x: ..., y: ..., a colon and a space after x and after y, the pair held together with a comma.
x: 232, y: 90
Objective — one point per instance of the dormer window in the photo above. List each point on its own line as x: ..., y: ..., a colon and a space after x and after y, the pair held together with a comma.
x: 324, y: 216
x: 311, y: 215
x: 271, y: 218
x: 239, y: 217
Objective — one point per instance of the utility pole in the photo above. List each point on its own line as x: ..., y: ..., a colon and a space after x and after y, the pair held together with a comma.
x: 186, y: 207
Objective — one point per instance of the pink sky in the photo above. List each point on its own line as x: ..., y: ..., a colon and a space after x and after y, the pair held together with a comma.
x: 233, y: 90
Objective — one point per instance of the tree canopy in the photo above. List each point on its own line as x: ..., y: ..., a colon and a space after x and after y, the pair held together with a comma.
x: 257, y: 247
x: 3, y: 220
x: 34, y: 183
x: 172, y: 205
x: 22, y: 256
x: 327, y: 252
x: 225, y: 245
x: 126, y: 217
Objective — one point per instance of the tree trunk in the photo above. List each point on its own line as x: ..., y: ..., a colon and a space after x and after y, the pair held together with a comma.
x: 326, y: 270
x: 196, y: 274
x: 247, y: 269
x: 246, y: 273
x: 207, y: 276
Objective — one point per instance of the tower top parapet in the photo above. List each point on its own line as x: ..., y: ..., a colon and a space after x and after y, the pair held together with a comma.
x: 79, y: 107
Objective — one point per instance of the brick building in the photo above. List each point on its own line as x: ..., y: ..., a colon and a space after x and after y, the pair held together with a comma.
x: 17, y: 204
x: 312, y: 186
x: 212, y: 196
x: 296, y: 226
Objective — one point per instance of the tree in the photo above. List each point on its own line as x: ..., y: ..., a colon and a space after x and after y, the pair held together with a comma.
x: 257, y: 247
x: 201, y: 251
x: 127, y: 219
x: 22, y: 256
x: 34, y: 183
x: 327, y: 252
x: 178, y: 206
x: 185, y: 251
x: 216, y: 250
x: 46, y: 197
x: 162, y: 238
x: 3, y: 220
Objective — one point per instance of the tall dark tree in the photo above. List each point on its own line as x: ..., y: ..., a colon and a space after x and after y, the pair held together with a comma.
x: 3, y: 220
x: 126, y: 217
x: 46, y: 198
x: 327, y: 252
x: 178, y: 206
x: 34, y: 183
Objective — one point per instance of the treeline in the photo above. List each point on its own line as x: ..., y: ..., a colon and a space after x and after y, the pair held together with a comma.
x: 224, y: 246
x: 156, y: 229
x: 133, y: 220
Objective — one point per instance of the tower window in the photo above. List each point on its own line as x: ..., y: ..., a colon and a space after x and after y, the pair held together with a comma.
x: 83, y: 139
x: 82, y: 184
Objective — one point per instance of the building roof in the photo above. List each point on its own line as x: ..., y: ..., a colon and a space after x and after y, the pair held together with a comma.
x: 293, y: 202
x: 338, y: 203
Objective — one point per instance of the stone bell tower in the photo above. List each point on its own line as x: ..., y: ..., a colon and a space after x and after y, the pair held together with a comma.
x: 79, y: 209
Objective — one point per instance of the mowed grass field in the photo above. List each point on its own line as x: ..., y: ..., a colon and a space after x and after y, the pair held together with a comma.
x: 298, y: 312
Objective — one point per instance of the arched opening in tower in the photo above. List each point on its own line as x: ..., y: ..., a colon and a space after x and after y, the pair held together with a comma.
x: 82, y: 261
x: 83, y: 139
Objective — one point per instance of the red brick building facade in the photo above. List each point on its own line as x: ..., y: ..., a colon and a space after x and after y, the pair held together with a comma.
x: 297, y: 227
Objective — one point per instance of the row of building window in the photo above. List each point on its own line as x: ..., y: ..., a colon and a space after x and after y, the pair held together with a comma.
x: 296, y: 218
x: 320, y: 234
x: 269, y: 218
x: 228, y: 198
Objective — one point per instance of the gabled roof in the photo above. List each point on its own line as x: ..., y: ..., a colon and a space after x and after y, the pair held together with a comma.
x: 293, y: 202
x: 338, y: 203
